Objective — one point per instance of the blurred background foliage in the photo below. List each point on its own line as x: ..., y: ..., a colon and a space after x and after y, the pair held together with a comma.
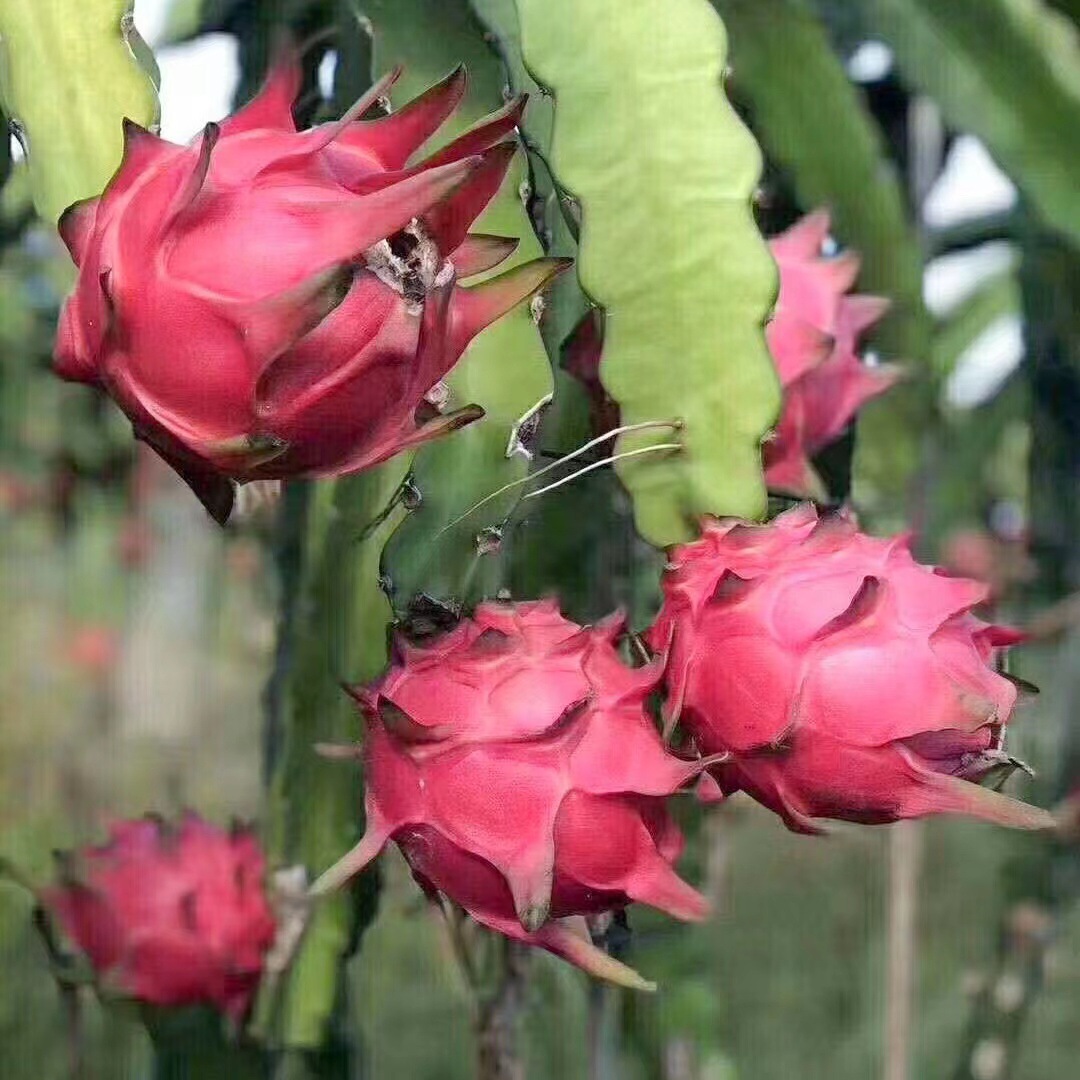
x: 137, y: 641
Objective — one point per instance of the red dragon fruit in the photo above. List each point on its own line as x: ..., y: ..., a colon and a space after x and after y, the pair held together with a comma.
x: 813, y: 338
x: 169, y: 915
x: 844, y: 679
x: 267, y: 303
x: 515, y: 765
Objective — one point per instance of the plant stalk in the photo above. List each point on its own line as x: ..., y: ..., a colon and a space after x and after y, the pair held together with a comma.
x: 905, y: 844
x: 499, y: 1018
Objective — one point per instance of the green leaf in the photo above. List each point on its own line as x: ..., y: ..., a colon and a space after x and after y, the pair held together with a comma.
x: 69, y: 74
x: 1009, y: 72
x: 969, y: 462
x: 185, y: 20
x: 500, y: 19
x: 189, y: 18
x: 316, y: 804
x: 565, y: 303
x: 506, y: 369
x: 811, y: 120
x: 192, y: 1042
x: 664, y: 170
x: 995, y: 298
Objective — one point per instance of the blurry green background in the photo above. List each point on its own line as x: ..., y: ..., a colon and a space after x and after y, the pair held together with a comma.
x: 137, y: 639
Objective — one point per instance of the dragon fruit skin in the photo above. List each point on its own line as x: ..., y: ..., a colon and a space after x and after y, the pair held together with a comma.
x: 844, y: 679
x: 515, y: 765
x: 169, y: 915
x: 813, y: 338
x: 267, y: 303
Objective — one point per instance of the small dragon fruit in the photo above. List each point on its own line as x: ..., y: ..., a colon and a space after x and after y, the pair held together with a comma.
x: 169, y: 915
x: 813, y: 338
x: 267, y: 303
x: 844, y: 679
x: 516, y: 767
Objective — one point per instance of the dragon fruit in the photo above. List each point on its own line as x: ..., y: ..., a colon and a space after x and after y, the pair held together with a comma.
x: 813, y: 338
x: 843, y: 679
x: 169, y: 915
x: 516, y: 767
x: 267, y: 303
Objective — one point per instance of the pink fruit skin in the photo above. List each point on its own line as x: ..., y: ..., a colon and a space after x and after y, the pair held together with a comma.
x: 845, y: 679
x: 169, y: 915
x: 266, y: 303
x: 813, y: 338
x: 514, y: 763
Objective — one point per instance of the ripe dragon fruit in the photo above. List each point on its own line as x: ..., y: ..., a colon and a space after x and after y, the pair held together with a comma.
x: 169, y: 915
x: 813, y: 339
x: 844, y: 679
x: 516, y: 767
x: 267, y: 303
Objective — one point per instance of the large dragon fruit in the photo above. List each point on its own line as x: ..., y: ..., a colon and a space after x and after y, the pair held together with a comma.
x: 169, y: 915
x: 267, y: 303
x: 514, y: 764
x: 813, y: 338
x: 843, y: 678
